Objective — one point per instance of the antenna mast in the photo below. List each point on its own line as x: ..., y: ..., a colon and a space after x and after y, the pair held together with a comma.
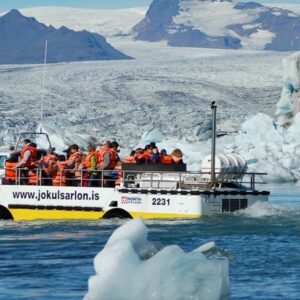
x: 213, y: 143
x: 43, y: 83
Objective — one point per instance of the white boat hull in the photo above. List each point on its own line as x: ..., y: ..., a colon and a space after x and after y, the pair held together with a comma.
x: 47, y: 202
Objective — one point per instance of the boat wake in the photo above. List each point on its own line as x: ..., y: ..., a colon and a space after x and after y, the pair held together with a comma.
x: 264, y: 209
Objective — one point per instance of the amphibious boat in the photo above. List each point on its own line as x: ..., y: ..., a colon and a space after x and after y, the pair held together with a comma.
x: 148, y: 191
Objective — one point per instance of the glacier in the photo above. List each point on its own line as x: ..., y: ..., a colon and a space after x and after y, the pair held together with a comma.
x: 131, y: 267
x: 164, y: 94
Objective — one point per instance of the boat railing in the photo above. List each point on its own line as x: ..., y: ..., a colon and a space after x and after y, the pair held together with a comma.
x: 135, y: 179
x: 191, y: 180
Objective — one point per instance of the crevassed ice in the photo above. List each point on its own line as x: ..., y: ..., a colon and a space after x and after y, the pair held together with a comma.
x: 123, y: 272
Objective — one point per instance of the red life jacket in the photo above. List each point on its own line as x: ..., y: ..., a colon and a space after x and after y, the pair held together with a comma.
x: 142, y: 156
x: 166, y: 159
x: 31, y: 157
x: 147, y: 155
x: 10, y: 173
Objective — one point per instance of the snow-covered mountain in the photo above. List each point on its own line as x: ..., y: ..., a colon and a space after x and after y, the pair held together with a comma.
x: 22, y: 40
x: 107, y: 22
x: 220, y: 24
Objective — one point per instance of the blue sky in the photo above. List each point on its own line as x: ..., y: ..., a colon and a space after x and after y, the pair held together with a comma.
x: 9, y: 4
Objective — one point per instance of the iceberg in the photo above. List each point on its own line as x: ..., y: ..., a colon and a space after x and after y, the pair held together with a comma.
x: 272, y: 145
x: 289, y: 104
x: 131, y: 267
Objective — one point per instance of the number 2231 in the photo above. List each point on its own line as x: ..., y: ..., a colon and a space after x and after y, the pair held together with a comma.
x: 160, y: 201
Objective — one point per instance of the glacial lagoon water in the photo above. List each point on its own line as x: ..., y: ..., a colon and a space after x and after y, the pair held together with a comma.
x: 53, y: 260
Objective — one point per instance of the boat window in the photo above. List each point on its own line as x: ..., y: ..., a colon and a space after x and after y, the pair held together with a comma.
x: 2, y: 161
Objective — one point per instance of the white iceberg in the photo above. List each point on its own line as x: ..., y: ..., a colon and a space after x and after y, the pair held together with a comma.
x: 289, y: 104
x: 130, y: 267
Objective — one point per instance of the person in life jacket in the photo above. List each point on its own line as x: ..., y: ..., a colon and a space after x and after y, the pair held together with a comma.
x: 106, y: 163
x: 90, y: 163
x: 114, y: 154
x: 34, y: 168
x: 74, y: 161
x: 140, y: 157
x: 130, y: 159
x: 147, y: 153
x: 28, y: 154
x: 47, y: 164
x: 155, y: 158
x: 104, y: 156
x: 10, y: 176
x: 59, y: 172
x: 165, y: 158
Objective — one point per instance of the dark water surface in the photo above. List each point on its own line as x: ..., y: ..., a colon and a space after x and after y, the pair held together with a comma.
x: 53, y: 260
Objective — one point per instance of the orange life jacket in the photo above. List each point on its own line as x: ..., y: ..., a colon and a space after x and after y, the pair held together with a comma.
x: 129, y: 160
x: 114, y: 158
x: 31, y: 157
x: 33, y: 176
x: 87, y: 160
x: 73, y: 157
x: 147, y: 155
x: 10, y: 173
x: 59, y: 178
x: 166, y: 159
x: 142, y: 156
x: 118, y: 181
x: 101, y: 153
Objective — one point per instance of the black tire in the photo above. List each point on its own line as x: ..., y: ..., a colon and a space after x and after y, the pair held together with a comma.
x: 117, y: 213
x: 5, y: 214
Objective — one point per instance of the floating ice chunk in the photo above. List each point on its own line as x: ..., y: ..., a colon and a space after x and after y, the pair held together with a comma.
x: 153, y: 136
x: 260, y: 123
x: 204, y: 130
x: 121, y: 272
x: 206, y: 247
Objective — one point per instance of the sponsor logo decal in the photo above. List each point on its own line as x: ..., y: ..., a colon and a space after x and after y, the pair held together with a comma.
x: 131, y: 200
